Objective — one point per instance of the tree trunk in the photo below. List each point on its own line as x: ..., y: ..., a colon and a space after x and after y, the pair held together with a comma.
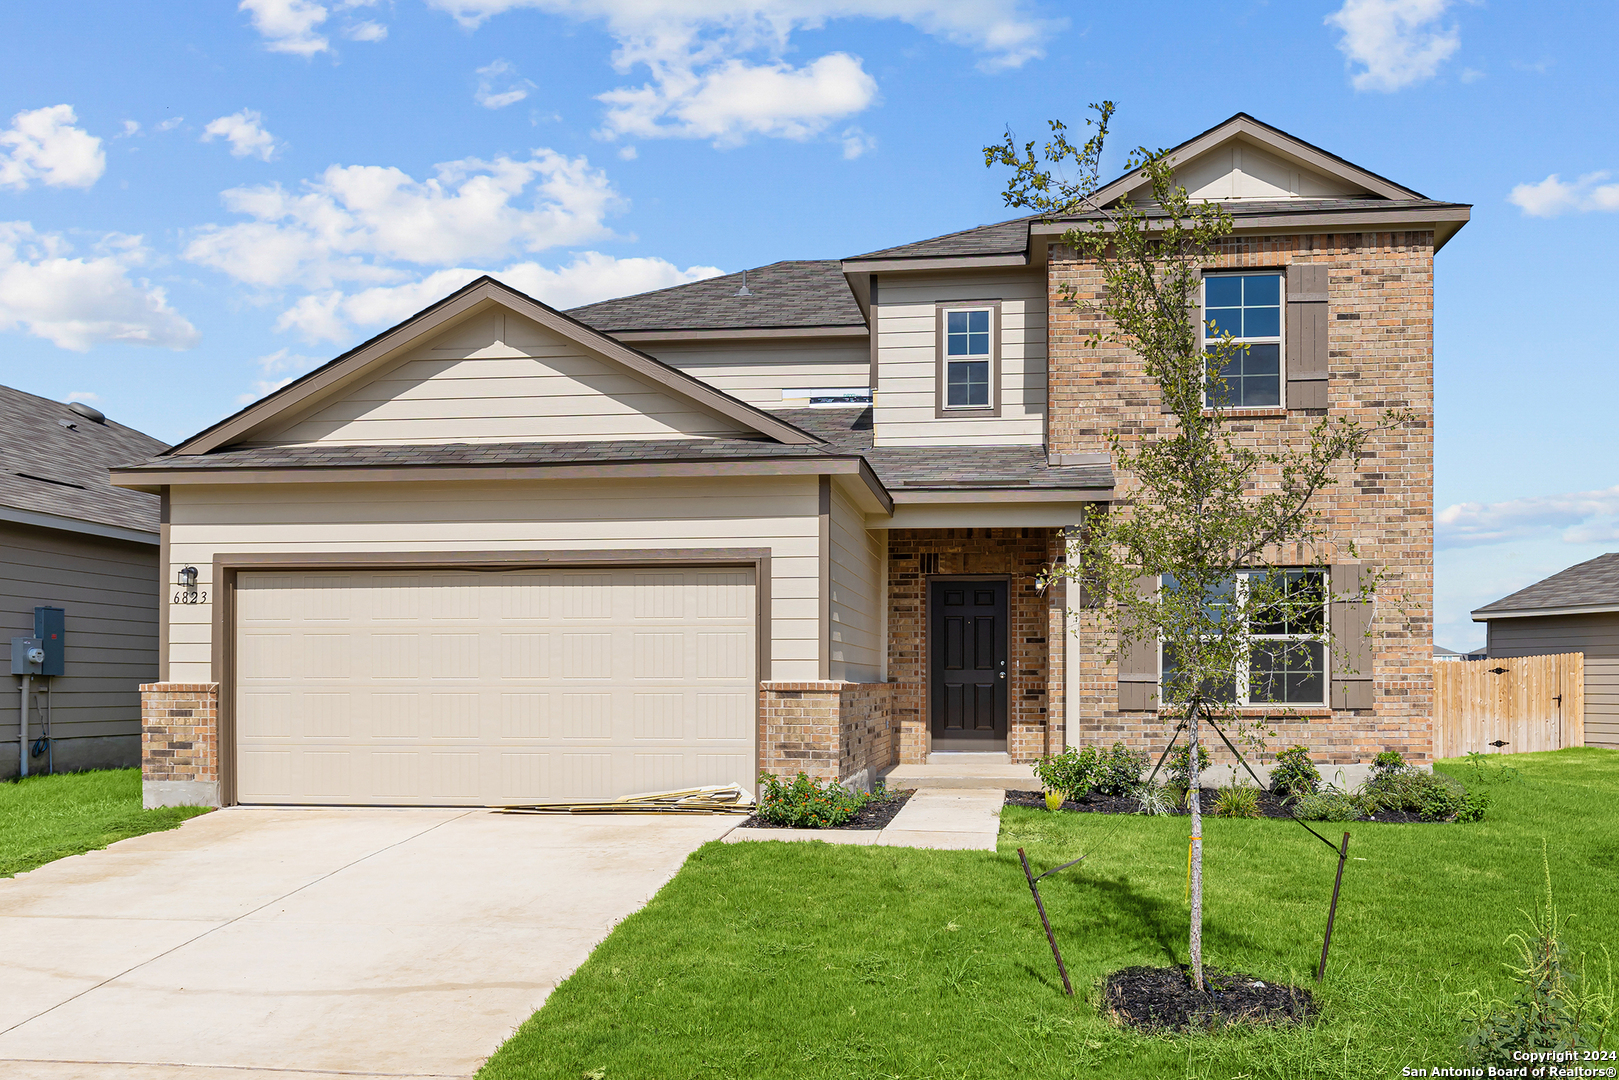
x: 1194, y: 784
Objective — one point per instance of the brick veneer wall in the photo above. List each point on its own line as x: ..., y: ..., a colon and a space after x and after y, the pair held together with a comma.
x: 827, y: 730
x: 1036, y: 668
x: 180, y: 731
x: 1380, y: 342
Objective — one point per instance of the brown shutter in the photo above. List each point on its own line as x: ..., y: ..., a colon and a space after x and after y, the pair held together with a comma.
x: 1194, y: 318
x: 1351, y: 648
x: 1307, y: 336
x: 1138, y: 664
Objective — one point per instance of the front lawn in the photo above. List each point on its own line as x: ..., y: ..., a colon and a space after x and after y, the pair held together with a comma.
x: 43, y: 818
x: 809, y: 960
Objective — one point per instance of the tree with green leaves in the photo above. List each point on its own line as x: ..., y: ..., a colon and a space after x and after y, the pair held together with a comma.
x: 1186, y: 556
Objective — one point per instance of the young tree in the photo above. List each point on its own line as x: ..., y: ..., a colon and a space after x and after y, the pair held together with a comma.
x: 1185, y: 556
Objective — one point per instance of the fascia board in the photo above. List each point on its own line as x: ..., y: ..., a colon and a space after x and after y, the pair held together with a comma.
x: 987, y: 516
x: 18, y: 516
x: 1352, y: 220
x: 970, y: 496
x: 1485, y: 615
x: 742, y: 334
x: 933, y: 262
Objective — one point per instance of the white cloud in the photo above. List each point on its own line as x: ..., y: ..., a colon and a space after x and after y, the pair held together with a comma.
x: 78, y: 302
x: 1394, y: 42
x: 368, y: 30
x: 354, y: 222
x: 591, y: 276
x: 276, y: 370
x: 1581, y: 516
x: 1552, y: 196
x: 171, y: 123
x: 856, y: 142
x: 131, y: 127
x: 499, y: 85
x: 288, y: 26
x: 245, y: 132
x: 89, y: 397
x: 717, y: 68
x: 628, y: 153
x: 45, y: 145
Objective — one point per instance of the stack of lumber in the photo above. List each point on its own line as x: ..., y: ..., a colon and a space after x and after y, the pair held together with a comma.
x: 719, y: 799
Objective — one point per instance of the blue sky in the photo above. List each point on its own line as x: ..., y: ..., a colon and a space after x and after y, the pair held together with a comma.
x: 199, y: 201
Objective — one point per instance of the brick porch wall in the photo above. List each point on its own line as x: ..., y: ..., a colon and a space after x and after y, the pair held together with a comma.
x: 180, y: 732
x: 1036, y: 669
x: 827, y: 730
x: 1380, y: 340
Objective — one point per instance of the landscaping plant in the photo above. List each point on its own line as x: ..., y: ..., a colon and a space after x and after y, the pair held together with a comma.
x: 1237, y: 801
x: 1294, y: 774
x: 1179, y: 558
x: 1179, y: 767
x: 1072, y: 772
x: 807, y: 803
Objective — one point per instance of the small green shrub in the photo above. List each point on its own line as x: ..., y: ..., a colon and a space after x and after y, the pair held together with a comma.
x: 1180, y: 761
x: 1389, y: 761
x: 1237, y: 801
x: 1294, y: 775
x: 805, y: 803
x: 1329, y: 805
x: 1118, y: 771
x: 1072, y: 772
x: 1477, y: 802
x: 1434, y: 796
x: 1440, y: 802
x: 1153, y: 799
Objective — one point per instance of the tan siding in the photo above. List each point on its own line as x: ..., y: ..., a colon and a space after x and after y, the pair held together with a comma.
x: 758, y: 371
x: 778, y: 513
x: 856, y: 577
x: 907, y: 360
x: 506, y: 379
x: 108, y: 590
x: 1597, y: 636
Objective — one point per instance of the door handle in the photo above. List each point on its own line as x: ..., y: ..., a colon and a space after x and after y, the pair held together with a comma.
x: 1002, y: 675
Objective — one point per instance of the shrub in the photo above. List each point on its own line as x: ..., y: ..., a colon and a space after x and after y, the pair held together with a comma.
x: 1072, y: 772
x: 1389, y: 761
x: 1153, y: 799
x: 805, y: 803
x: 1329, y: 805
x: 1180, y: 761
x: 1237, y: 801
x: 1119, y: 771
x: 1440, y: 802
x: 1434, y: 796
x: 1294, y: 775
x: 1474, y: 806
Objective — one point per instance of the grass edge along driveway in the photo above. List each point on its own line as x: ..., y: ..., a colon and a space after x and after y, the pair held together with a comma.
x: 45, y: 818
x: 813, y: 960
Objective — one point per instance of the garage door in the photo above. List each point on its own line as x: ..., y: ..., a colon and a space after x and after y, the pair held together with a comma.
x: 471, y: 688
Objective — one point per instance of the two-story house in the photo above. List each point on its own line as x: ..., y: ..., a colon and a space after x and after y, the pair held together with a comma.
x: 793, y: 519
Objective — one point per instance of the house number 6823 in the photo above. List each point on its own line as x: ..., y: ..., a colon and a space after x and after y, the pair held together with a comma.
x: 186, y: 597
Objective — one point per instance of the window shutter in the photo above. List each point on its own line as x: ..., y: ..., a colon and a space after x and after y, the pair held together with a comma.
x: 1138, y: 664
x: 1350, y: 623
x: 1307, y: 336
x: 1194, y: 319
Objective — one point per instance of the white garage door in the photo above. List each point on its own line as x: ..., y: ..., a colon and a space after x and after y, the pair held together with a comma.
x: 471, y: 688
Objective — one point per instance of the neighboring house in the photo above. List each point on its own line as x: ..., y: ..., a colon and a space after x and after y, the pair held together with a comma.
x: 501, y: 553
x: 1574, y: 610
x: 70, y: 540
x: 1444, y: 655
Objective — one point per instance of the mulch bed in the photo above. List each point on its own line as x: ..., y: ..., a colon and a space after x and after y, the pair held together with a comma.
x: 874, y: 815
x: 1269, y: 806
x: 1162, y: 999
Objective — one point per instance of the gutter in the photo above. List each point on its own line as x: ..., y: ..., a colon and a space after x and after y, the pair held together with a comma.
x: 18, y: 516
x: 1485, y: 614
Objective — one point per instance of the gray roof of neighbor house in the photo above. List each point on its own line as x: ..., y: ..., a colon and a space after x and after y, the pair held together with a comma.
x: 801, y: 293
x: 1589, y: 586
x: 54, y: 461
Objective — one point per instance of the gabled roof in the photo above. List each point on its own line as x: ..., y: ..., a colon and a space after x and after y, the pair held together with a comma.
x: 1000, y: 238
x: 800, y: 294
x: 53, y: 469
x: 353, y: 365
x: 1590, y: 587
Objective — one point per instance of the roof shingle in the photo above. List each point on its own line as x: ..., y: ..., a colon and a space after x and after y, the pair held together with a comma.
x: 1588, y: 584
x: 795, y: 294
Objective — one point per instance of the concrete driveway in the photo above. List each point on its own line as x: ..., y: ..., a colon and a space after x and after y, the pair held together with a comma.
x: 256, y: 943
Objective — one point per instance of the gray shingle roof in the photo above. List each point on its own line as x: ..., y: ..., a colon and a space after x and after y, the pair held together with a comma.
x: 49, y: 467
x: 1001, y: 238
x: 795, y: 294
x: 1588, y: 584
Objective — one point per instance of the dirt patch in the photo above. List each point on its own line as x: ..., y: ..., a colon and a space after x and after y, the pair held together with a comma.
x: 1162, y: 999
x: 874, y: 815
x: 1269, y: 806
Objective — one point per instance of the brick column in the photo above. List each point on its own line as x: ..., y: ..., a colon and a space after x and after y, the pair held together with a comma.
x: 827, y: 730
x: 179, y: 744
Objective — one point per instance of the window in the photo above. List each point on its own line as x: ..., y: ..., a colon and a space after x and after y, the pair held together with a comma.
x: 1249, y: 308
x: 968, y: 356
x: 1287, y: 658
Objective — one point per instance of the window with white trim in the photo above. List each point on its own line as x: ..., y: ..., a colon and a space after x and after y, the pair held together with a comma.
x: 1287, y: 656
x: 1248, y: 307
x: 967, y: 357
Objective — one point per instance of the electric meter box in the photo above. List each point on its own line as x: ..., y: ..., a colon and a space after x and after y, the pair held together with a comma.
x: 26, y: 656
x: 51, y: 633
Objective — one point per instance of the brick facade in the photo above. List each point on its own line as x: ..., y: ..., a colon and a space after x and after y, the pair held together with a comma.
x: 180, y: 732
x: 916, y: 556
x: 828, y: 730
x: 1380, y: 341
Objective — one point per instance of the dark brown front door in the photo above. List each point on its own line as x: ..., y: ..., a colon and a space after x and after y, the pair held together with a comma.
x: 967, y: 635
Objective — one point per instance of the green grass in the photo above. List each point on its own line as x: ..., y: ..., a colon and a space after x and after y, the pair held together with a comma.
x: 44, y: 818
x: 808, y: 960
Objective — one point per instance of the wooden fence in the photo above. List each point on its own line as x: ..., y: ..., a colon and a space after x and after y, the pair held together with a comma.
x: 1524, y: 703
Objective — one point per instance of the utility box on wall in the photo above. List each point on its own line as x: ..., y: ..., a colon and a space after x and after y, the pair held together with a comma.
x: 50, y: 630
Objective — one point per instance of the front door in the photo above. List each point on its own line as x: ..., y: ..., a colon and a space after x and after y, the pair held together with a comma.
x: 967, y: 635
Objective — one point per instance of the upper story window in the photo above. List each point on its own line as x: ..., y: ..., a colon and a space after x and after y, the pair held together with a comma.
x: 1249, y: 308
x: 969, y: 358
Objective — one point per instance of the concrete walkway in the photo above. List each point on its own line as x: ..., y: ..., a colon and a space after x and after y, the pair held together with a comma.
x: 955, y: 819
x: 250, y: 944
